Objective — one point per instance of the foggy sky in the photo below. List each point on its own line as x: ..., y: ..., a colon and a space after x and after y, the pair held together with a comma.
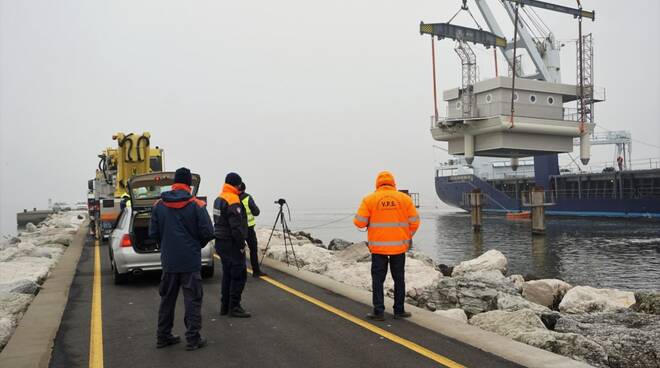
x: 307, y: 100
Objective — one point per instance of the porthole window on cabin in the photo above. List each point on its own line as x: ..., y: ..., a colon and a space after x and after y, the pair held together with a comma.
x: 515, y: 97
x: 551, y: 100
x: 532, y: 98
x: 489, y: 98
x: 458, y: 105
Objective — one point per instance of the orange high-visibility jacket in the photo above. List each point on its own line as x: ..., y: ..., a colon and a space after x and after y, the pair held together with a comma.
x: 390, y: 216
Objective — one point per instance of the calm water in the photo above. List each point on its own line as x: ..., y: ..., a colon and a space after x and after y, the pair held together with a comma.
x: 603, y: 253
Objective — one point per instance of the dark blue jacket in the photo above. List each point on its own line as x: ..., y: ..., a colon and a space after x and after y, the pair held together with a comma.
x: 182, y: 227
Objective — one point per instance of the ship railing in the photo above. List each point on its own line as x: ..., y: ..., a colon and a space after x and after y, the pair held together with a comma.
x: 604, y: 166
x: 606, y: 193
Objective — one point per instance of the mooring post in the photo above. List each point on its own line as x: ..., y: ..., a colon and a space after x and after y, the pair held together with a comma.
x: 475, y: 209
x: 537, y: 201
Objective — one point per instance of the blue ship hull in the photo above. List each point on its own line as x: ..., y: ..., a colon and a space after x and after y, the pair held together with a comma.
x: 628, y: 194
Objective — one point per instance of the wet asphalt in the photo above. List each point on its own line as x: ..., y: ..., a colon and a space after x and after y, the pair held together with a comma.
x: 285, y: 331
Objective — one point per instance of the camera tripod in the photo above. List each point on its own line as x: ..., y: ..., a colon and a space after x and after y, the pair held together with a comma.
x: 286, y: 233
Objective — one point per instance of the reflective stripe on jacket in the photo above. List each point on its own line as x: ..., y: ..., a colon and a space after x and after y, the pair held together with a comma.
x: 389, y: 215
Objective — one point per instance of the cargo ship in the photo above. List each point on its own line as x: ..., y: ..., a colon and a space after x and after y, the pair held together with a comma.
x: 505, y: 134
x: 602, y: 192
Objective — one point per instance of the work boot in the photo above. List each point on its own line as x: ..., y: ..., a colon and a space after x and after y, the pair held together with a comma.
x: 172, y: 340
x: 402, y: 315
x: 196, y: 345
x: 376, y: 316
x: 239, y: 312
x: 224, y: 310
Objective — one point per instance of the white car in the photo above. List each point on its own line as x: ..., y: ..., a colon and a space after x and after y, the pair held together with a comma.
x: 132, y: 251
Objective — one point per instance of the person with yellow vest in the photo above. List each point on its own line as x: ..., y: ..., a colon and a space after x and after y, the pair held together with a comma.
x: 391, y: 219
x: 251, y: 210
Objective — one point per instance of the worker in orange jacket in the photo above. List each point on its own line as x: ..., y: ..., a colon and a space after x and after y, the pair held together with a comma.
x: 391, y: 219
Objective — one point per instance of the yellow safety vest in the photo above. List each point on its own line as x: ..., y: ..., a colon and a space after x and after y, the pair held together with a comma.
x: 250, y: 217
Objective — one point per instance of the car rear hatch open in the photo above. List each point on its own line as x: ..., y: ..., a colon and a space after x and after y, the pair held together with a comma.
x: 145, y: 190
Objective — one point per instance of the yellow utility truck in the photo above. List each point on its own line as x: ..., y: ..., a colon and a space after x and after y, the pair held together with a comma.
x: 109, y: 188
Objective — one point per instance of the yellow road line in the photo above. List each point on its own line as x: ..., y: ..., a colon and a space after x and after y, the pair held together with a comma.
x: 366, y: 325
x: 96, y: 324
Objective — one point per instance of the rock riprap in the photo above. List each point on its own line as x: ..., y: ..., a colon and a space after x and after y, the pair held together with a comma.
x: 26, y: 261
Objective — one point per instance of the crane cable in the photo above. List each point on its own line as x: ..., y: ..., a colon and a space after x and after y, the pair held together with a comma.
x: 581, y: 68
x: 435, y: 93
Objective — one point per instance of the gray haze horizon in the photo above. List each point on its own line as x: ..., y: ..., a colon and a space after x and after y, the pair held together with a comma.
x: 306, y: 100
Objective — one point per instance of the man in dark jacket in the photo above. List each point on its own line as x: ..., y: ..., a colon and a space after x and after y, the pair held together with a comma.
x: 251, y: 210
x: 230, y: 224
x: 182, y: 227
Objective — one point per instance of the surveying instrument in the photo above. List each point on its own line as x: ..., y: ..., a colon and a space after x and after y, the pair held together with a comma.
x: 286, y: 233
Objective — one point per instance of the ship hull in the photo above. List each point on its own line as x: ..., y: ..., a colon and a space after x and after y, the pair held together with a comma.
x: 451, y: 190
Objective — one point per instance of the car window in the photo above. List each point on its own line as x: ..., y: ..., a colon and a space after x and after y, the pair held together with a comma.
x: 153, y: 192
x: 121, y: 223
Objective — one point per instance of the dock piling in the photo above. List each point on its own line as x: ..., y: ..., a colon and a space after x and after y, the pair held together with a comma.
x: 475, y: 208
x: 537, y: 202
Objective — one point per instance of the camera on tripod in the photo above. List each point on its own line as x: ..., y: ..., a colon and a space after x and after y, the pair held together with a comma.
x: 286, y: 233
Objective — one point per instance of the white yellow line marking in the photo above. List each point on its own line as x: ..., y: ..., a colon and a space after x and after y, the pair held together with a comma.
x: 96, y: 324
x: 366, y: 325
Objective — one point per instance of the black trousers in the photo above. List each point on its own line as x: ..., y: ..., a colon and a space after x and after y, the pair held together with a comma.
x: 193, y: 293
x: 252, y: 244
x: 234, y: 273
x: 379, y: 264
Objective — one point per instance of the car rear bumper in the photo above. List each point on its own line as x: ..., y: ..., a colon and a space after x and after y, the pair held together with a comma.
x: 127, y: 260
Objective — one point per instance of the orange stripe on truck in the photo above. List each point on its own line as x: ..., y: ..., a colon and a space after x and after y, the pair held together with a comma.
x: 109, y: 216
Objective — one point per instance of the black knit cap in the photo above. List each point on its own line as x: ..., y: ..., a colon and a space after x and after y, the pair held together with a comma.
x: 183, y: 176
x: 233, y: 179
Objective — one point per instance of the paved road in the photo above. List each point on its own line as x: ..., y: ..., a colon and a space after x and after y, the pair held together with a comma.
x: 285, y: 330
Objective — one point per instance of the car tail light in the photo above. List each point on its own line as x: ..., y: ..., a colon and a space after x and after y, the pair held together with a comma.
x: 126, y: 241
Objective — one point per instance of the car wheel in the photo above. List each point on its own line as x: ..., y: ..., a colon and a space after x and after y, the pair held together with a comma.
x: 207, y: 272
x: 118, y: 278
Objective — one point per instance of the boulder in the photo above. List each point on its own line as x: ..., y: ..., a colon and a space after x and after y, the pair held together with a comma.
x: 21, y: 287
x: 586, y: 299
x: 455, y: 314
x: 474, y: 292
x: 518, y: 281
x: 14, y: 240
x: 444, y: 269
x: 631, y: 339
x: 14, y: 303
x: 647, y: 302
x: 357, y: 252
x: 308, y: 236
x: 339, y: 244
x: 526, y: 326
x: 30, y: 228
x: 546, y: 292
x: 29, y: 268
x: 6, y: 329
x: 491, y: 260
x: 512, y: 303
x: 41, y: 252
